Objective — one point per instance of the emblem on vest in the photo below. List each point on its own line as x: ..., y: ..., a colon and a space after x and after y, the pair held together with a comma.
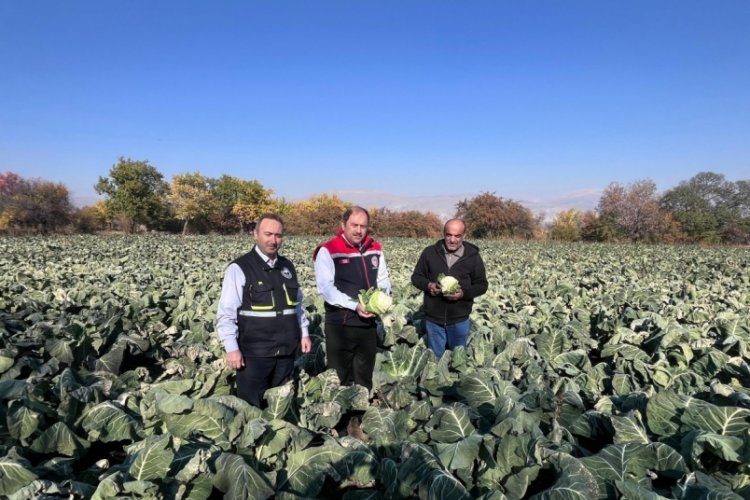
x: 286, y: 273
x: 374, y: 261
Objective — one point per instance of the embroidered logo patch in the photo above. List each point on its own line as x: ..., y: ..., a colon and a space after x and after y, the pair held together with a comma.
x: 344, y: 261
x: 374, y: 261
x: 286, y: 273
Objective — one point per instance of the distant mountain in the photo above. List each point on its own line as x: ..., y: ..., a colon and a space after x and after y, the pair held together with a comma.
x: 442, y: 205
x: 445, y: 205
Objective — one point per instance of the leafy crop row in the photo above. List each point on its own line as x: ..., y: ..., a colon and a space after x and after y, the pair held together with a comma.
x: 599, y: 371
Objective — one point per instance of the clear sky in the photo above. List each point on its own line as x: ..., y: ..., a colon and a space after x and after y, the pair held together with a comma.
x: 531, y: 99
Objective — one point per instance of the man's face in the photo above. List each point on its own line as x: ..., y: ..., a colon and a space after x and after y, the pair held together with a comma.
x: 355, y: 228
x: 268, y: 236
x: 453, y: 235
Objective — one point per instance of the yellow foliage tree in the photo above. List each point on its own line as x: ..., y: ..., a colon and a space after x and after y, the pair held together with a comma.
x: 191, y: 198
x: 249, y: 213
x: 91, y: 218
x: 318, y: 215
x: 567, y: 225
x: 6, y: 217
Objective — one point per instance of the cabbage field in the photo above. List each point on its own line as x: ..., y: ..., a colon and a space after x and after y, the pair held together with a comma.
x: 592, y: 371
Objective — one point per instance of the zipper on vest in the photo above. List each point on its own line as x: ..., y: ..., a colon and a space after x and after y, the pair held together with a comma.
x: 364, y: 269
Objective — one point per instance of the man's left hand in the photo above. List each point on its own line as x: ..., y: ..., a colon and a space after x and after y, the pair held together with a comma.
x: 306, y: 344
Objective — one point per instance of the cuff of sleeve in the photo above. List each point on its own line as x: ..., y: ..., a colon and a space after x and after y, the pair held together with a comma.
x: 305, y: 332
x: 352, y: 305
x: 231, y: 345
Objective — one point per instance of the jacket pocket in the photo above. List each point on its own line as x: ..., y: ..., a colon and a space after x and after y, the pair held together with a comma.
x: 261, y: 298
x: 291, y: 292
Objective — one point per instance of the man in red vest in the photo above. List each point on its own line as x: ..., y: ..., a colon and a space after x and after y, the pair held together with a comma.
x: 347, y: 263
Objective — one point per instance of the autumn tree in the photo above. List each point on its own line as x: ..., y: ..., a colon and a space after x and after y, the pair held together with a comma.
x: 490, y: 216
x: 191, y: 198
x: 35, y: 205
x: 91, y: 218
x: 407, y: 224
x: 48, y: 205
x: 634, y: 211
x: 249, y: 213
x: 10, y: 185
x: 136, y: 190
x: 318, y: 215
x: 596, y: 228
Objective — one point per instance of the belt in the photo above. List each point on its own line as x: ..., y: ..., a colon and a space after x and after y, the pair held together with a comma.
x: 268, y: 314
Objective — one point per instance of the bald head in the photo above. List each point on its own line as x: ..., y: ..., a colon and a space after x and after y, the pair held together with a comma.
x: 453, y: 234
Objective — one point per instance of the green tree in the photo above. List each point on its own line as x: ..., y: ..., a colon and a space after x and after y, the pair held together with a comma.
x: 136, y: 190
x: 238, y: 202
x: 595, y: 228
x: 191, y: 198
x: 710, y: 208
x: 490, y: 216
x: 742, y: 197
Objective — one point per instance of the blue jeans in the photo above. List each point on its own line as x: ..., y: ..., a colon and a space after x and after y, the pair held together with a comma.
x: 452, y: 336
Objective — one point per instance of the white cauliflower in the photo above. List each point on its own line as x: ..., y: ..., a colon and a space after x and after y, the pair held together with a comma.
x: 375, y: 301
x: 448, y: 284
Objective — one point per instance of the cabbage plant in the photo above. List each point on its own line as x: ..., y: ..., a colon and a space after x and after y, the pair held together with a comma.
x: 604, y: 371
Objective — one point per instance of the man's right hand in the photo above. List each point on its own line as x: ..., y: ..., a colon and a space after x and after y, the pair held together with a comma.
x: 363, y: 313
x: 434, y: 288
x: 235, y: 360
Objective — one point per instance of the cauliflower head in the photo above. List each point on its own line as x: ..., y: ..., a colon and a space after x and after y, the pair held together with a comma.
x: 448, y: 284
x: 375, y: 301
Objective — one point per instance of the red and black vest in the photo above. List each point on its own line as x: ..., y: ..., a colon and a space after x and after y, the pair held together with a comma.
x: 356, y: 269
x: 267, y: 319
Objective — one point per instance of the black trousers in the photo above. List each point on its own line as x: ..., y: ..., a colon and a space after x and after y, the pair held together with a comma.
x: 260, y: 374
x: 351, y: 352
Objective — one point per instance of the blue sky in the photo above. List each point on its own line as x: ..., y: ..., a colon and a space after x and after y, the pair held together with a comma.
x: 531, y: 99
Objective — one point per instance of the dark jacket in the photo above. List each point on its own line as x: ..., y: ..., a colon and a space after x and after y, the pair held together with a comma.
x: 468, y: 270
x: 267, y: 319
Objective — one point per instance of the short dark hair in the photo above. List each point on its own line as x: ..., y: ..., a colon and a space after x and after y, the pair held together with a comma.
x: 353, y: 210
x: 271, y: 216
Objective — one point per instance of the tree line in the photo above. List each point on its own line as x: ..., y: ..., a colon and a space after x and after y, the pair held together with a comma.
x: 706, y: 208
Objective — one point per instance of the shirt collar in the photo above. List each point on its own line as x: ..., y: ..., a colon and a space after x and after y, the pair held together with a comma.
x: 458, y: 253
x: 268, y: 260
